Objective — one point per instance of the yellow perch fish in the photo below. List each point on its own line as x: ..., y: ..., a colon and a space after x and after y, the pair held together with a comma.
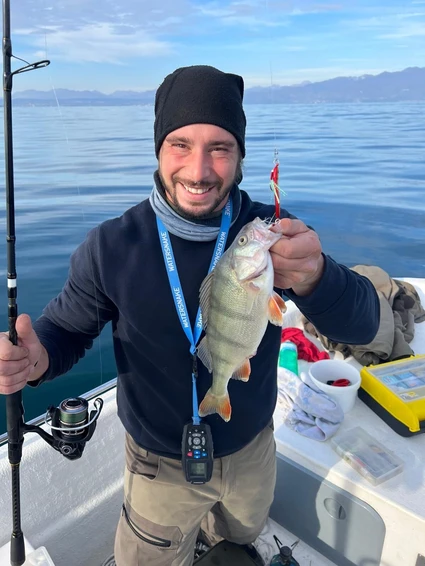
x: 237, y: 302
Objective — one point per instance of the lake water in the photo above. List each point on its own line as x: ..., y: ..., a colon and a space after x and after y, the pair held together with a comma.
x: 355, y: 172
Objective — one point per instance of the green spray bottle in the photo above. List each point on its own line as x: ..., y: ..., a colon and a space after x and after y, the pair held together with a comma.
x: 288, y: 356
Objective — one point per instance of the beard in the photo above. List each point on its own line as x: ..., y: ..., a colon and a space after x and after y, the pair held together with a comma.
x: 194, y: 214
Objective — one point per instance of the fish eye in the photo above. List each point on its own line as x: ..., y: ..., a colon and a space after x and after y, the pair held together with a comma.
x: 242, y: 240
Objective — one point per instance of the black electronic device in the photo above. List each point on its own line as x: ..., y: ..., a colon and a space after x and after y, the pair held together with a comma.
x: 197, y: 453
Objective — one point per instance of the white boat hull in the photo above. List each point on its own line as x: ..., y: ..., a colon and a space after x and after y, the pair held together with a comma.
x: 72, y: 508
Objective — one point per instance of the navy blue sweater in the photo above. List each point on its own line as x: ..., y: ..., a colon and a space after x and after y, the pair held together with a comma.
x: 117, y: 274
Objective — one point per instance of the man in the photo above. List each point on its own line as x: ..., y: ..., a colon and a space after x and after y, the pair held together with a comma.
x: 119, y: 274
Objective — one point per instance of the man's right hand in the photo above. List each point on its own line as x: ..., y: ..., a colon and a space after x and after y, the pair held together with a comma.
x: 22, y: 363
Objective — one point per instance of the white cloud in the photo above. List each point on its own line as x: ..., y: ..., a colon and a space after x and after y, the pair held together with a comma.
x: 215, y: 11
x: 76, y: 14
x: 315, y: 9
x: 260, y: 13
x: 242, y: 14
x: 252, y: 22
x: 411, y: 15
x: 170, y: 21
x: 407, y: 30
x: 98, y: 43
x: 389, y: 25
x: 249, y: 3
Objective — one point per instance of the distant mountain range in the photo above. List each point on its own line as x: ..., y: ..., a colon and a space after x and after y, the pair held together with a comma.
x: 408, y: 84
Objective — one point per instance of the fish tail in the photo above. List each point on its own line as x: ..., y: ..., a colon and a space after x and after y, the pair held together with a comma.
x: 216, y: 404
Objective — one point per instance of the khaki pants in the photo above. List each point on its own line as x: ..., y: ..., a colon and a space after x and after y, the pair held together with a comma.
x: 162, y: 512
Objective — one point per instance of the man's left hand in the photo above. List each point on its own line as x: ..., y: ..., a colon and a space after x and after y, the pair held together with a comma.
x: 297, y: 257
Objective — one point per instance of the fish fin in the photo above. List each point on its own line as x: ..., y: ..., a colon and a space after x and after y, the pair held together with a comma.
x: 280, y: 302
x: 243, y: 372
x: 204, y: 354
x: 214, y: 404
x: 275, y: 313
x: 204, y: 297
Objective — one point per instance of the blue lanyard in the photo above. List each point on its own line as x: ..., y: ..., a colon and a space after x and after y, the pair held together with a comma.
x: 177, y: 291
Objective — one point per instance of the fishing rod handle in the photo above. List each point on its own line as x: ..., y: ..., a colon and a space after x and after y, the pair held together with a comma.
x: 13, y: 335
x: 17, y: 549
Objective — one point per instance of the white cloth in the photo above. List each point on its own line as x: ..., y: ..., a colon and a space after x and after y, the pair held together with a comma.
x: 305, y: 408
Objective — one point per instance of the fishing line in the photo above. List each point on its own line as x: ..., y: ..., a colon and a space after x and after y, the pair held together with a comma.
x: 85, y: 223
x: 274, y: 174
x: 19, y: 59
x: 48, y: 417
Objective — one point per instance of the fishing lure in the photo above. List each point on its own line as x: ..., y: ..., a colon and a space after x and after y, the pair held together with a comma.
x: 274, y: 185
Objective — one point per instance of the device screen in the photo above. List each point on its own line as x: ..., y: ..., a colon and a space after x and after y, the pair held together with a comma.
x: 197, y: 468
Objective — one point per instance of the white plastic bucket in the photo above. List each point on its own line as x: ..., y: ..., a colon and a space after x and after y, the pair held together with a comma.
x: 330, y: 370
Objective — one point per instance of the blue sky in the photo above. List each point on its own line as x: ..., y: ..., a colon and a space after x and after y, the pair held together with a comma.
x: 110, y: 45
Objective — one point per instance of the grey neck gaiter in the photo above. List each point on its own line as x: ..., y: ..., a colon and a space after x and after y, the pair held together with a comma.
x: 204, y: 230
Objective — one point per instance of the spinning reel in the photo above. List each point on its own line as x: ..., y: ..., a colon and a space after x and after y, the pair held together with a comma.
x: 71, y: 426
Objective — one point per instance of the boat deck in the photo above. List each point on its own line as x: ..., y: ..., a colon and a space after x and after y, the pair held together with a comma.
x: 399, y: 501
x: 303, y: 553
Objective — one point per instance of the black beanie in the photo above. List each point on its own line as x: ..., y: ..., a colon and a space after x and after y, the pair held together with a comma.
x: 200, y: 95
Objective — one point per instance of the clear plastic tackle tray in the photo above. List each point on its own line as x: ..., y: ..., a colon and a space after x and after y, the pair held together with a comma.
x: 366, y: 455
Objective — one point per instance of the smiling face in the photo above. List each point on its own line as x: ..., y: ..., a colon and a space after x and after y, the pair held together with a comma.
x: 198, y: 165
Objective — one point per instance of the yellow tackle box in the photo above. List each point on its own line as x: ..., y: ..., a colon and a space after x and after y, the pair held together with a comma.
x: 396, y: 392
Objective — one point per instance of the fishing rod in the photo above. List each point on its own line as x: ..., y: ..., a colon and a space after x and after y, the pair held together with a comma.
x: 14, y: 406
x: 71, y: 424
